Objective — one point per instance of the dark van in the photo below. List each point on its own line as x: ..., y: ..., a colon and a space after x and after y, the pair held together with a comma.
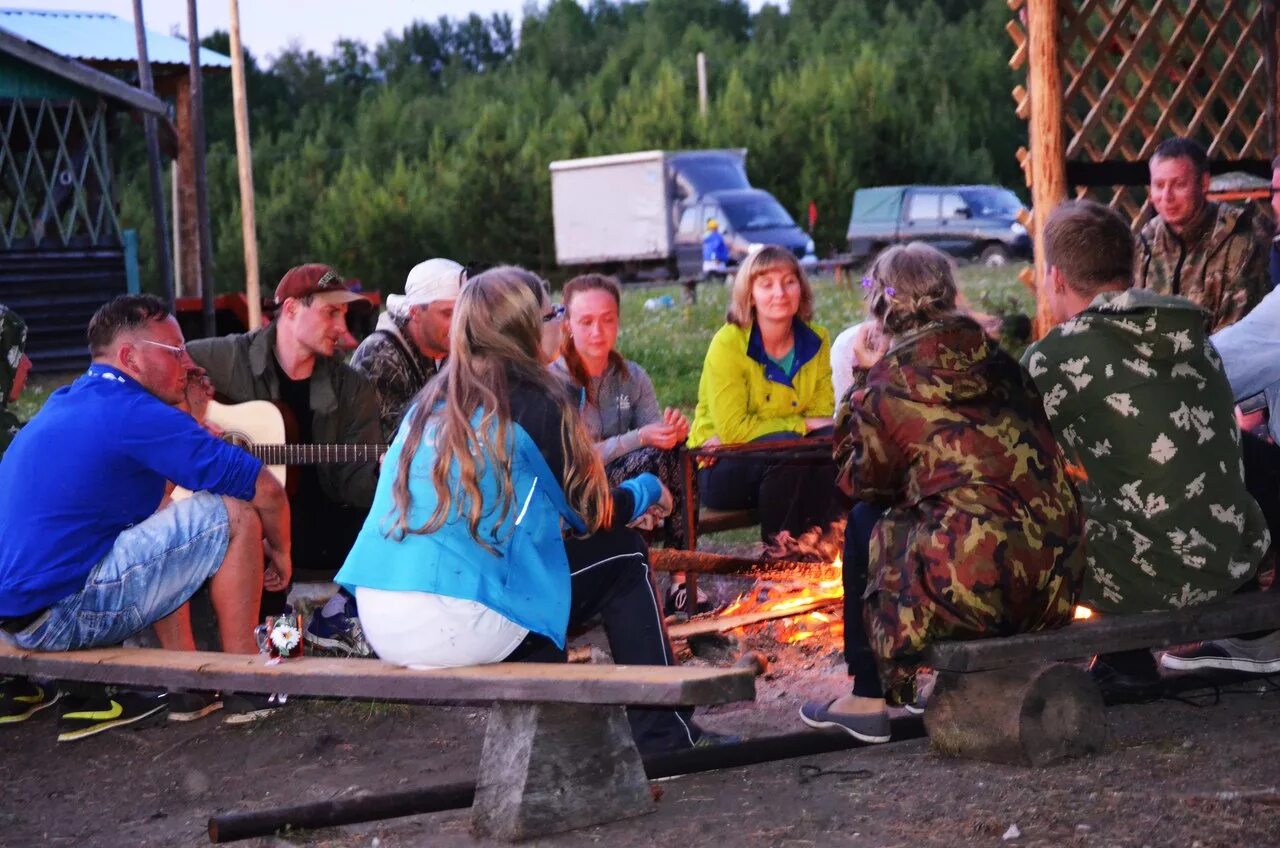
x: 746, y: 216
x: 978, y: 222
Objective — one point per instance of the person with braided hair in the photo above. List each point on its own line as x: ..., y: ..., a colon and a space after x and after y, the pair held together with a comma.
x: 966, y: 524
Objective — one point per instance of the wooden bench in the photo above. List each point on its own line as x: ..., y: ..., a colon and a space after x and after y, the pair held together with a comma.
x: 1011, y: 700
x: 557, y: 753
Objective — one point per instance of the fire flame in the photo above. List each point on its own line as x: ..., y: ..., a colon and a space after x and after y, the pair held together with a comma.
x: 1083, y: 613
x: 807, y: 623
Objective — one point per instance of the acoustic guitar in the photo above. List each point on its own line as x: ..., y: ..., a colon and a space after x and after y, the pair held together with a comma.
x: 267, y: 430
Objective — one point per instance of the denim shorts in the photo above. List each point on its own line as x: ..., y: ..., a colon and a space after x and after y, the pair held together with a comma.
x: 153, y: 568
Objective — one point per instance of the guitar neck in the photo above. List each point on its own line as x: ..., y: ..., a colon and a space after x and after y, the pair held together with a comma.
x: 289, y: 454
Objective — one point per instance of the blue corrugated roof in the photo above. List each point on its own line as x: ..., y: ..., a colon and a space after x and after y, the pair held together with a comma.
x: 98, y: 36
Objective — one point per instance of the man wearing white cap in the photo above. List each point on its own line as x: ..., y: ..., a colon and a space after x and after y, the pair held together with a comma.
x: 412, y: 338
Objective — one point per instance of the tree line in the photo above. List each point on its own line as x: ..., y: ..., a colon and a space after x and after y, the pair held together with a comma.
x: 436, y: 141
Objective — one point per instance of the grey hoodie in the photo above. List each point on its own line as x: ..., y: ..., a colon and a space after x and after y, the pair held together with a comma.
x: 624, y: 404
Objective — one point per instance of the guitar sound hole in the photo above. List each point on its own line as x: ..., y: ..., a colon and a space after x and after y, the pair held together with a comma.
x: 240, y: 440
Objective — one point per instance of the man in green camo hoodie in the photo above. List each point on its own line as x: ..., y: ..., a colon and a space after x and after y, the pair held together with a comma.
x: 1138, y: 400
x: 14, y: 366
x: 1210, y: 253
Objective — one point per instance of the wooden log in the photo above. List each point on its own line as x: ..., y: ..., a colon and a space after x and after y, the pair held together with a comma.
x: 1028, y: 715
x: 244, y: 165
x: 548, y: 768
x: 703, y: 562
x: 1104, y: 634
x: 719, y: 624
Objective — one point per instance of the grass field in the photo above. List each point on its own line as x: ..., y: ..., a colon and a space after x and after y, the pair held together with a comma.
x: 670, y: 343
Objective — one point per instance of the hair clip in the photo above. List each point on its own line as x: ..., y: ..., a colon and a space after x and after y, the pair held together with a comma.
x: 890, y: 291
x: 867, y: 282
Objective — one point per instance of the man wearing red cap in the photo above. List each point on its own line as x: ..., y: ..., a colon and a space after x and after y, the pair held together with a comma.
x: 293, y: 361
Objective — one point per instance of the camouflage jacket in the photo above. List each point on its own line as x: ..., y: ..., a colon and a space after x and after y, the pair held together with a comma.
x: 13, y: 342
x: 396, y: 368
x: 1138, y: 400
x: 1219, y: 263
x: 982, y: 532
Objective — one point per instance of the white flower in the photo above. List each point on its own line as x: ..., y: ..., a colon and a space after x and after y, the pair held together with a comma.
x: 285, y: 637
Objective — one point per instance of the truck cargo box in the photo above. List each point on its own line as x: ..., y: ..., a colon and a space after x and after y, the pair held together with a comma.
x: 612, y: 208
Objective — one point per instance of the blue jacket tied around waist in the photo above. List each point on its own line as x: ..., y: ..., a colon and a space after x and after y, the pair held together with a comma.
x: 526, y: 580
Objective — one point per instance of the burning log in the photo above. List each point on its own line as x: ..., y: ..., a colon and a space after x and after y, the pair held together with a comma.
x: 701, y: 562
x: 719, y: 624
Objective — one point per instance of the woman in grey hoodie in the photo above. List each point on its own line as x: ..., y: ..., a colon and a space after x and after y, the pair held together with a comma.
x: 616, y: 396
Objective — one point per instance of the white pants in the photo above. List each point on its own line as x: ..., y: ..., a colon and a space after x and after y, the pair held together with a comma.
x: 423, y: 630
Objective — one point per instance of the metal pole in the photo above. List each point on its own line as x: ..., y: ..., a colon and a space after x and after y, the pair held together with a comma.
x: 201, y: 184
x: 244, y: 158
x: 702, y: 85
x: 146, y: 83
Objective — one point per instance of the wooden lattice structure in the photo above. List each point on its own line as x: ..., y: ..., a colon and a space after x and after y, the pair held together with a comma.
x: 1108, y: 80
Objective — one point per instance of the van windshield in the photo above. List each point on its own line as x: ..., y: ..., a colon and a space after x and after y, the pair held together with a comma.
x: 712, y: 173
x: 992, y: 202
x: 756, y: 213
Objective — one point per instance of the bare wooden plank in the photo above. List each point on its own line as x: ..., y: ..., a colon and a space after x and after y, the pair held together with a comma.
x: 375, y: 679
x: 1102, y: 634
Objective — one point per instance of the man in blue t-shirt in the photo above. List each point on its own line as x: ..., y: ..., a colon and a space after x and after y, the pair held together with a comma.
x: 87, y: 558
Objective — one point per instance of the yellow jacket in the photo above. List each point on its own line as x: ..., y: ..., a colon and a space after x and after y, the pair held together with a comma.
x: 742, y: 394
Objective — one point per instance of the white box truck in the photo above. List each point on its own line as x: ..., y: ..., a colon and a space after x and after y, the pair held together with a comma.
x: 637, y: 212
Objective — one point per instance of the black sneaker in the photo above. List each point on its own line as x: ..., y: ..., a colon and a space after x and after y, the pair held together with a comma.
x: 21, y: 698
x: 1253, y: 656
x: 189, y: 706
x: 1125, y: 673
x: 85, y: 716
x: 248, y: 708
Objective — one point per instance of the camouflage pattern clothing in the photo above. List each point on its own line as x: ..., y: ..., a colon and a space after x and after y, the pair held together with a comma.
x: 13, y: 343
x: 1219, y: 262
x: 395, y: 367
x: 982, y: 532
x: 1138, y: 400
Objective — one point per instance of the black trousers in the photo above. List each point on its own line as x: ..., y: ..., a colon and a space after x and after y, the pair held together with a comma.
x: 785, y: 496
x: 611, y: 579
x: 857, y: 647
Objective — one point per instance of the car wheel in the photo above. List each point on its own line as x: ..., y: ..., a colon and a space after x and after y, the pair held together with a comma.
x: 995, y: 256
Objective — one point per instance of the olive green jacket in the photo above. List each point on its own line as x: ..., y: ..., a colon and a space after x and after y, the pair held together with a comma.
x: 1219, y: 262
x: 345, y: 407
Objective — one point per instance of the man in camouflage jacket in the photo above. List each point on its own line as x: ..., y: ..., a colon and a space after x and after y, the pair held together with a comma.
x: 411, y: 340
x: 1213, y: 254
x: 1138, y: 400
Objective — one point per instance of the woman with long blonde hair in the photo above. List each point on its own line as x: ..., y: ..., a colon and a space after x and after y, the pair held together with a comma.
x: 464, y: 559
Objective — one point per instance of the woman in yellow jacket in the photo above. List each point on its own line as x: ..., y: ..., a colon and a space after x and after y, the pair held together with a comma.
x: 767, y: 376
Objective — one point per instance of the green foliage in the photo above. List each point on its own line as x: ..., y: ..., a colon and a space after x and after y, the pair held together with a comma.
x: 436, y: 141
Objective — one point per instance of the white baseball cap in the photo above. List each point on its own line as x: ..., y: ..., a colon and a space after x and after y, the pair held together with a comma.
x: 435, y: 279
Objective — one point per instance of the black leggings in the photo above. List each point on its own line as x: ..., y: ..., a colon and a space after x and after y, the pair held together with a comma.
x: 785, y: 496
x: 611, y: 578
x: 857, y: 647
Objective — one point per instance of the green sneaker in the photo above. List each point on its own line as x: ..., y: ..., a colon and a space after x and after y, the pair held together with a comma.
x: 86, y: 716
x: 21, y: 698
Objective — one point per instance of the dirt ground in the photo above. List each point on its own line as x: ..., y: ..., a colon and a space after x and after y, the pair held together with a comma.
x: 1160, y: 783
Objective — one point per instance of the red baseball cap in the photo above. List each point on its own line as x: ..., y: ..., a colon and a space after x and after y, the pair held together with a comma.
x: 315, y: 279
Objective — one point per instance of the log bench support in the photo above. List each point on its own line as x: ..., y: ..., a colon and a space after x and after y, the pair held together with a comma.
x: 1028, y: 715
x: 548, y: 768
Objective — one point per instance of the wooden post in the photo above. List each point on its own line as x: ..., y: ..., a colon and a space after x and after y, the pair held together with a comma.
x: 1048, y: 157
x: 702, y: 85
x: 201, y: 185
x: 244, y: 158
x: 153, y: 156
x: 177, y: 221
x: 187, y: 234
x: 1271, y: 57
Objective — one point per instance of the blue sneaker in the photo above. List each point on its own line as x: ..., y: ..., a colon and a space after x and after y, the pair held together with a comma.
x: 340, y: 632
x: 872, y: 727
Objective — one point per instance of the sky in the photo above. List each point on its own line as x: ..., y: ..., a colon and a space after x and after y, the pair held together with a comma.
x: 269, y: 26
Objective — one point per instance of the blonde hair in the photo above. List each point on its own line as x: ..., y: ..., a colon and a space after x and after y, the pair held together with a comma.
x: 496, y: 339
x: 910, y: 285
x: 769, y: 258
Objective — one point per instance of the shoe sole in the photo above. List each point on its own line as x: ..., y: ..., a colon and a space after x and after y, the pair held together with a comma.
x: 912, y: 709
x: 861, y: 737
x: 93, y: 730
x: 249, y: 717
x: 192, y: 715
x: 35, y: 708
x: 1224, y: 663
